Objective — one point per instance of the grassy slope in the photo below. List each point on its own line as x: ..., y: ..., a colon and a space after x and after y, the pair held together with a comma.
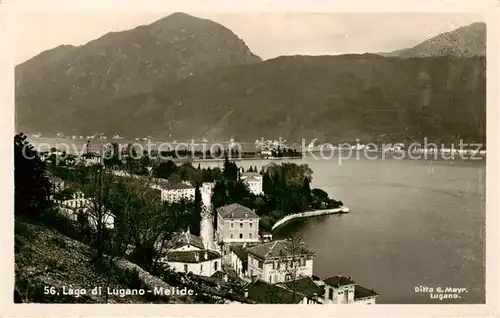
x: 45, y: 257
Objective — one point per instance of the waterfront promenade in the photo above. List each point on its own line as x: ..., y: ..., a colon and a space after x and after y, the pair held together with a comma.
x: 307, y: 214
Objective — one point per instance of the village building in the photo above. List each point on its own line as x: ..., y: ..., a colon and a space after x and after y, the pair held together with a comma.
x: 199, y: 262
x: 73, y: 202
x: 237, y: 224
x: 186, y: 241
x: 174, y: 191
x: 188, y: 254
x: 262, y: 292
x: 278, y: 261
x: 306, y: 286
x: 254, y: 181
x: 90, y: 159
x: 343, y: 290
x: 239, y: 260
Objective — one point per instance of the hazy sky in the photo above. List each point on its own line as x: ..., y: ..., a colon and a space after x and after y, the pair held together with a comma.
x: 268, y: 35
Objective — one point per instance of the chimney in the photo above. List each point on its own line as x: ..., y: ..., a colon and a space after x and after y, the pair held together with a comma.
x: 206, y: 255
x: 246, y: 293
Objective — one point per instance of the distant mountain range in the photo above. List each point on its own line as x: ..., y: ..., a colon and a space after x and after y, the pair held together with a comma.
x: 187, y: 77
x: 466, y: 41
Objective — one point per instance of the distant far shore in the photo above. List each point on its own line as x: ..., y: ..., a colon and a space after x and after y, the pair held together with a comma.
x: 243, y: 159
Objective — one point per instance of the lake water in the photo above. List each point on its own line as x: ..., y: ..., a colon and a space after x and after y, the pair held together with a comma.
x: 412, y: 223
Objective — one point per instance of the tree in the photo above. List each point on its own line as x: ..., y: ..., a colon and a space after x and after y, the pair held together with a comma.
x: 32, y: 188
x: 230, y: 171
x: 219, y: 198
x: 196, y: 213
x: 113, y: 156
x: 98, y: 189
x: 307, y: 190
x: 267, y: 184
x: 292, y: 257
x: 219, y: 195
x: 165, y: 169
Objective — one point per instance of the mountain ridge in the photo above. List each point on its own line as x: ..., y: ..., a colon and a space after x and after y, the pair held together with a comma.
x: 337, y: 98
x: 125, y: 63
x: 465, y: 41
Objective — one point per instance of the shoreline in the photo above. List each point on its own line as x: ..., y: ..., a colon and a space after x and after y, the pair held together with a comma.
x: 308, y: 214
x: 240, y: 159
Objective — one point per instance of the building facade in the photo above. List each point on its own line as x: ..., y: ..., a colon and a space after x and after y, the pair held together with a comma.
x: 254, y: 181
x: 343, y: 290
x: 71, y: 203
x: 199, y: 262
x: 278, y: 261
x: 173, y: 191
x: 189, y: 254
x: 237, y: 224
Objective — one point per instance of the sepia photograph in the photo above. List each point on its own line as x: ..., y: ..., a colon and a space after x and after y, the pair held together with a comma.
x: 299, y: 158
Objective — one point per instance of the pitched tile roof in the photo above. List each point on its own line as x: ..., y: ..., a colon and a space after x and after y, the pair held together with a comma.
x: 251, y: 179
x: 306, y: 286
x: 339, y: 280
x: 197, y: 256
x: 251, y: 174
x: 219, y: 274
x: 277, y: 249
x: 362, y: 292
x: 241, y: 252
x: 265, y: 293
x: 183, y: 239
x: 173, y: 185
x: 236, y: 211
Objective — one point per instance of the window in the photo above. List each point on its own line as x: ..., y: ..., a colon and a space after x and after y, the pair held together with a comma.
x: 249, y: 235
x: 261, y: 264
x: 232, y: 225
x: 215, y: 266
x: 231, y: 235
x: 185, y: 268
x: 270, y: 279
x: 241, y: 235
x: 330, y: 293
x: 241, y: 225
x: 274, y: 265
x: 201, y: 267
x: 250, y: 224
